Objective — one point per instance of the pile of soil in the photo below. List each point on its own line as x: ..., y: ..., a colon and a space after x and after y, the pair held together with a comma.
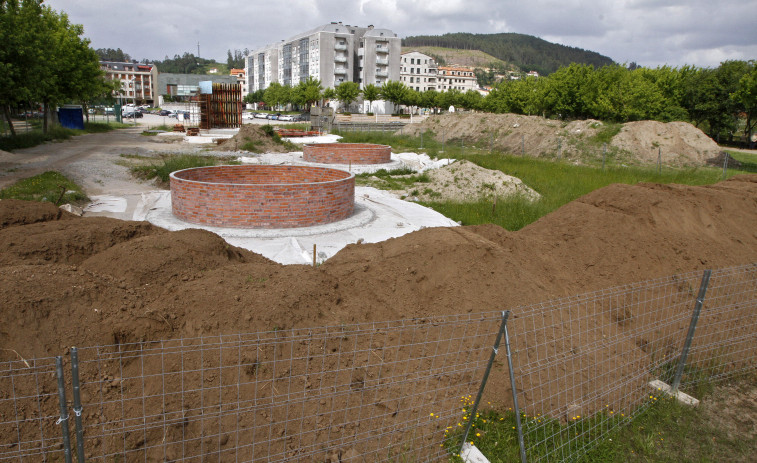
x: 463, y: 181
x: 66, y: 280
x: 678, y: 143
x: 252, y: 134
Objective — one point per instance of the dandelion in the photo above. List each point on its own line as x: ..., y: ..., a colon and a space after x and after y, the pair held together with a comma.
x: 478, y: 434
x: 431, y: 414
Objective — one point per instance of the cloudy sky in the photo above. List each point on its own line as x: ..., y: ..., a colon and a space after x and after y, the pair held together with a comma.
x: 649, y: 32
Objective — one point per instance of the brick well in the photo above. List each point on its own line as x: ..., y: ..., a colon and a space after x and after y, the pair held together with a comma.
x: 347, y: 153
x: 262, y: 196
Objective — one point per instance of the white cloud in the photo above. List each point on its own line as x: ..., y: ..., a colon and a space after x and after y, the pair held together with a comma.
x: 649, y: 32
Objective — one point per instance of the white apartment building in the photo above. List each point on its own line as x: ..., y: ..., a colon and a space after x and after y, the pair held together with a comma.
x: 456, y: 77
x: 332, y: 53
x: 418, y: 71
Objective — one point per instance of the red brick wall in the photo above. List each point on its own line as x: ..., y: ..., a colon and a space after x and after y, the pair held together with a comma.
x: 262, y: 196
x: 347, y: 153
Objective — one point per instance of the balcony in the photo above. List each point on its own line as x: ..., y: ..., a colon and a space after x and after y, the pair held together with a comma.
x: 384, y: 61
x: 382, y: 73
x: 340, y: 59
x: 382, y: 49
x: 340, y: 46
x: 340, y: 70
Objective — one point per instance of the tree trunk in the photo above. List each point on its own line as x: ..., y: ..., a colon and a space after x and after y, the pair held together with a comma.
x: 7, y: 114
x: 45, y: 115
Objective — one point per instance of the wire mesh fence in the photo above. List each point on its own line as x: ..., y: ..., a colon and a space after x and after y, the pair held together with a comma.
x: 388, y: 391
x: 382, y: 391
x: 584, y: 364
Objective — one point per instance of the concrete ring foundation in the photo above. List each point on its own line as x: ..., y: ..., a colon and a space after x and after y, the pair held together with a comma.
x: 347, y: 153
x: 262, y: 196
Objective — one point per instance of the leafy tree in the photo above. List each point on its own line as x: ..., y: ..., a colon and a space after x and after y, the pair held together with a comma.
x: 471, y: 100
x: 277, y: 95
x: 449, y: 98
x: 308, y: 92
x: 564, y: 93
x: 109, y: 54
x: 329, y: 94
x: 255, y: 97
x: 347, y: 92
x: 236, y: 60
x: 429, y: 99
x: 394, y: 92
x: 746, y: 97
x: 371, y: 93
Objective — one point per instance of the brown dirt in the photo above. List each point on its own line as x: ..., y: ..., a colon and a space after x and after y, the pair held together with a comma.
x: 679, y: 143
x: 252, y: 133
x: 67, y: 280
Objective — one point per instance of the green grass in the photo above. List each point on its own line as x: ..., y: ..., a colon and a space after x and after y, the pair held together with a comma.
x: 558, y: 182
x: 171, y: 163
x: 396, y: 179
x: 660, y: 430
x: 50, y: 187
x: 748, y: 160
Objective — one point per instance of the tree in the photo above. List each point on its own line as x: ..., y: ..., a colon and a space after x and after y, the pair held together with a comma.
x: 347, y: 92
x: 109, y: 54
x: 394, y: 92
x: 308, y: 92
x: 255, y: 96
x: 276, y: 95
x: 329, y: 94
x: 371, y: 93
x: 746, y: 97
x: 471, y: 100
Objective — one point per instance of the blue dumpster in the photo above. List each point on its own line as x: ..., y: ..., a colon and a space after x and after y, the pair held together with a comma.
x: 71, y: 117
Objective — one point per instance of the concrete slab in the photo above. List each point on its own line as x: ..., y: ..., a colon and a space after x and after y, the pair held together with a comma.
x: 685, y: 399
x: 471, y: 454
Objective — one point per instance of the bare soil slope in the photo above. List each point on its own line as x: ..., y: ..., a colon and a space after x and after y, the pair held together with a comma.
x: 678, y: 143
x: 92, y: 281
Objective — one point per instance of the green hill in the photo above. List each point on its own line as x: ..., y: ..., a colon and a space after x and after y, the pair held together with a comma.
x: 527, y: 52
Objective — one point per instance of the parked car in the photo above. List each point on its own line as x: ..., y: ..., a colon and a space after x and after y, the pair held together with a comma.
x: 286, y: 118
x: 248, y: 116
x: 133, y: 115
x: 165, y: 112
x: 261, y: 116
x: 274, y: 117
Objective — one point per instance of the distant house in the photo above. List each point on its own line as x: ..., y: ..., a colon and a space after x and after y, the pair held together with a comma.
x: 532, y: 74
x: 138, y: 80
x: 456, y: 77
x: 418, y: 71
x: 213, y: 71
x: 241, y: 76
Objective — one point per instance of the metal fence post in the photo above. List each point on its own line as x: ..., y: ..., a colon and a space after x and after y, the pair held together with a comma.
x: 659, y: 160
x: 604, y: 154
x: 63, y: 420
x: 522, y: 145
x: 516, y: 410
x: 725, y: 165
x: 77, y: 404
x: 502, y: 330
x: 692, y: 328
x: 421, y: 138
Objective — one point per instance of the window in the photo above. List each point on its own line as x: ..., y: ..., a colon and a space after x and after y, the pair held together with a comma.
x: 412, y: 60
x: 411, y: 80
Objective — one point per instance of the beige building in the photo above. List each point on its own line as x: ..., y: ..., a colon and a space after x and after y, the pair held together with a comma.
x: 241, y: 76
x: 138, y: 81
x: 456, y: 77
x: 418, y: 71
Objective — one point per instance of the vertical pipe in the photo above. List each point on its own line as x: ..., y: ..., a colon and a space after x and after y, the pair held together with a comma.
x: 516, y: 409
x: 77, y: 404
x: 495, y: 348
x: 604, y: 154
x: 692, y: 327
x: 63, y: 420
x: 659, y: 160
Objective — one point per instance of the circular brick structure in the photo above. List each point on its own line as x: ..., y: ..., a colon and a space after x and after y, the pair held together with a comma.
x: 262, y: 196
x: 347, y: 153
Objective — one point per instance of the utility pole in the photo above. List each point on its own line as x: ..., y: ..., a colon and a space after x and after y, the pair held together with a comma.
x: 198, y: 48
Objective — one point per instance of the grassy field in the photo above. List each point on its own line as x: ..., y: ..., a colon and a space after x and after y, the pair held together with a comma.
x: 557, y: 182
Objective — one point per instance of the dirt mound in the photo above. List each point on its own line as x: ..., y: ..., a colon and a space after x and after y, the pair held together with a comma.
x: 677, y: 143
x: 94, y: 281
x: 253, y: 138
x: 14, y: 212
x: 680, y: 143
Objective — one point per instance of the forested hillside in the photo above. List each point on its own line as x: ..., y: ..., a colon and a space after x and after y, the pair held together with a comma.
x: 525, y: 51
